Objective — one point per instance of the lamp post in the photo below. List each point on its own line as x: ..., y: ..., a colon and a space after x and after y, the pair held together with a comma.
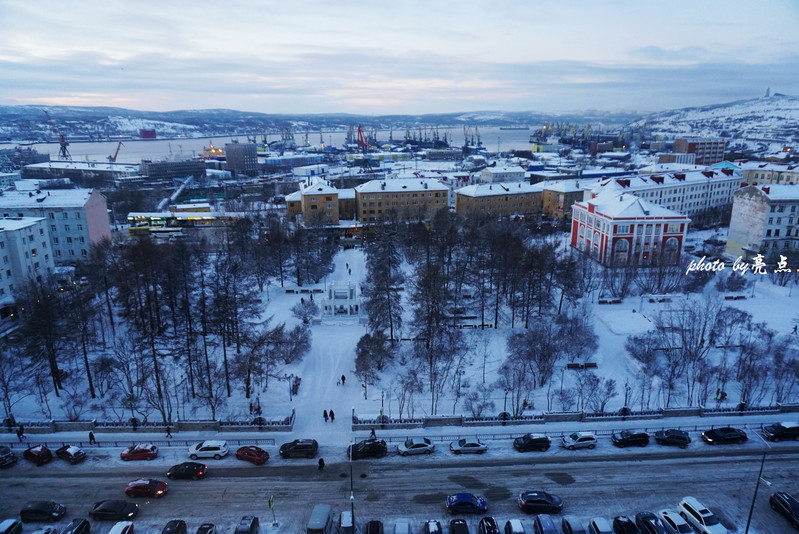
x: 754, y: 497
x: 352, y: 491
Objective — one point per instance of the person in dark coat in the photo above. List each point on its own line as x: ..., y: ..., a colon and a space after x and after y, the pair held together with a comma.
x: 321, y: 463
x: 343, y: 379
x: 168, y: 432
x: 92, y: 441
x: 372, y: 434
x: 21, y: 433
x: 332, y: 416
x: 324, y: 414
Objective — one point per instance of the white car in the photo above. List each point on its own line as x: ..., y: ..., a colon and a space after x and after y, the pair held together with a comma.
x: 415, y: 446
x: 209, y: 449
x: 674, y: 522
x: 579, y: 440
x: 698, y: 516
x: 599, y: 525
x: 468, y: 445
x: 122, y: 527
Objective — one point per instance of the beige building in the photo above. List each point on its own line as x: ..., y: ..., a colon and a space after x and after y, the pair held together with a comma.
x: 764, y: 219
x: 319, y: 204
x: 559, y: 196
x: 756, y: 172
x: 415, y: 199
x: 499, y: 199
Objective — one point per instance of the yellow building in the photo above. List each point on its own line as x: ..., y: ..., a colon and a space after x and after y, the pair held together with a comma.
x: 499, y: 199
x: 319, y: 204
x: 414, y: 199
x: 559, y: 197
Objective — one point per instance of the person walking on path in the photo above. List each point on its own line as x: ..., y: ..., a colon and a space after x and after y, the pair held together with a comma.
x: 321, y: 463
x: 21, y: 433
x: 168, y: 431
x: 324, y: 414
x: 343, y: 379
x: 332, y: 416
x: 92, y: 441
x: 372, y: 434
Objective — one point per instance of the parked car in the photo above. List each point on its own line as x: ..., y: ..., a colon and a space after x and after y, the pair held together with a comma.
x: 579, y: 440
x: 145, y: 487
x: 139, y: 451
x: 299, y: 448
x: 10, y: 526
x: 624, y: 525
x: 41, y: 511
x: 209, y: 449
x: 71, y: 454
x: 251, y: 453
x: 626, y: 438
x: 458, y: 526
x: 468, y: 445
x: 599, y: 525
x: 572, y: 525
x: 113, y: 510
x: 346, y: 523
x: 207, y: 528
x: 431, y: 527
x: 248, y: 524
x: 45, y: 530
x: 674, y: 522
x: 374, y: 527
x: 192, y: 470
x: 544, y: 524
x: 488, y: 525
x: 122, y: 527
x: 368, y: 448
x: 539, y: 502
x: 781, y: 431
x: 698, y: 516
x: 787, y: 506
x: 174, y: 526
x: 724, y: 434
x: 7, y: 456
x: 532, y: 442
x: 466, y: 503
x: 514, y: 526
x: 38, y: 454
x: 673, y: 436
x: 649, y: 523
x: 76, y: 526
x: 416, y: 446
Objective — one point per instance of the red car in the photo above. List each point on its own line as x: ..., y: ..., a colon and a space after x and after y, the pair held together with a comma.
x: 145, y: 487
x: 140, y: 451
x: 38, y: 454
x: 253, y: 454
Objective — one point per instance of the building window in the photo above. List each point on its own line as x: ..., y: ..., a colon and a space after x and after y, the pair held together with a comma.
x: 52, y: 228
x: 66, y: 228
x: 80, y: 227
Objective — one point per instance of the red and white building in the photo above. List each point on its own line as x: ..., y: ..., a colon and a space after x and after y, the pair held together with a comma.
x: 617, y: 229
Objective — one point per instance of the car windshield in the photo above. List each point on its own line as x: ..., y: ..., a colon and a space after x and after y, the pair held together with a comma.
x: 710, y: 520
x: 574, y: 436
x: 625, y: 433
x: 409, y: 442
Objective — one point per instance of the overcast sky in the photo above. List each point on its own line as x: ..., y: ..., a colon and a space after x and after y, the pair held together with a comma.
x: 401, y: 56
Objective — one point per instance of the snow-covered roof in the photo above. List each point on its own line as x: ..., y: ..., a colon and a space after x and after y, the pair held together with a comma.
x: 127, y: 168
x: 780, y: 191
x: 319, y: 189
x: 17, y: 223
x: 398, y: 185
x: 764, y: 166
x: 656, y: 181
x: 498, y: 189
x: 562, y: 186
x: 627, y: 206
x: 346, y: 194
x: 50, y: 198
x: 671, y: 167
x: 296, y: 196
x: 505, y: 168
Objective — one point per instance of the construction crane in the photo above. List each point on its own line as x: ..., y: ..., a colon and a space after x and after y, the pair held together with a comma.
x: 63, y: 152
x: 113, y: 159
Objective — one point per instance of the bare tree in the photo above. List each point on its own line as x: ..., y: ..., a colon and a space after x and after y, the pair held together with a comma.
x: 14, y: 385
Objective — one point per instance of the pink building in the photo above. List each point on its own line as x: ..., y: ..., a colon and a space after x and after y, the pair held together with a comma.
x: 617, y: 229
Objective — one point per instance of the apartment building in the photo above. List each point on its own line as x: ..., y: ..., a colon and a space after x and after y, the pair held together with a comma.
x: 415, y: 199
x: 499, y: 199
x: 501, y: 174
x: 25, y: 254
x: 706, y: 150
x: 756, y: 172
x: 765, y: 218
x: 620, y: 228
x: 559, y: 196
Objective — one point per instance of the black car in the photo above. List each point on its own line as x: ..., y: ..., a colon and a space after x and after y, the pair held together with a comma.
x: 540, y: 502
x: 174, y: 526
x: 374, y: 527
x: 76, y: 526
x: 7, y: 456
x: 207, y: 528
x: 368, y: 448
x: 532, y: 442
x: 781, y: 431
x: 672, y: 436
x: 488, y: 525
x: 299, y: 448
x: 190, y: 470
x: 626, y: 438
x: 786, y: 506
x: 724, y: 434
x: 649, y: 523
x: 114, y: 510
x: 458, y: 526
x: 624, y: 525
x: 71, y: 454
x: 42, y: 511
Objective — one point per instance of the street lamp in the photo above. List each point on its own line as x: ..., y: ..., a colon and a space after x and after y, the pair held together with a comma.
x: 754, y: 497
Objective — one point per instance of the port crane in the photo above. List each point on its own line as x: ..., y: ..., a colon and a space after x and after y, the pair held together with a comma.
x: 63, y: 151
x: 113, y: 159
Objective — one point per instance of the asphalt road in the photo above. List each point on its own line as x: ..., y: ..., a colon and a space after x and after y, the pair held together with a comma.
x: 389, y: 489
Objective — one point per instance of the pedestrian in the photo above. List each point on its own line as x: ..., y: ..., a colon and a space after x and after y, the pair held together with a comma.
x: 135, y: 424
x: 21, y: 433
x: 372, y: 434
x: 794, y: 328
x: 324, y: 414
x: 321, y: 463
x: 92, y: 441
x: 168, y: 431
x: 332, y: 416
x: 338, y: 382
x: 349, y: 271
x: 348, y: 265
x: 343, y: 379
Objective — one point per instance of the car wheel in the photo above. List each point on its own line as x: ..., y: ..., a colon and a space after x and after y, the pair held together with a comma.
x: 591, y: 446
x: 480, y: 452
x: 571, y: 447
x: 773, y: 506
x: 456, y: 451
x: 740, y: 441
x: 125, y: 458
x: 217, y: 457
x: 643, y: 444
x: 428, y: 451
x: 684, y: 446
x: 194, y: 477
x: 620, y: 445
x: 403, y: 454
x: 171, y: 477
x: 776, y: 438
x: 309, y: 455
x: 148, y: 458
x: 193, y: 456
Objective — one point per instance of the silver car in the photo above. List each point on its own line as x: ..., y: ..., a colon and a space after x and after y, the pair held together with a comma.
x: 415, y: 446
x: 468, y: 445
x: 579, y: 440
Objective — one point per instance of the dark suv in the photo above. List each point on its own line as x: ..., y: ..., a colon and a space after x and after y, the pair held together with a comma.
x: 299, y: 448
x: 780, y: 431
x: 42, y: 511
x: 7, y: 456
x: 626, y: 438
x: 532, y: 442
x: 368, y: 448
x: 786, y: 506
x: 673, y: 436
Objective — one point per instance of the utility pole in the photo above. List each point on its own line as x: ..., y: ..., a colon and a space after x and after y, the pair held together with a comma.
x: 754, y: 497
